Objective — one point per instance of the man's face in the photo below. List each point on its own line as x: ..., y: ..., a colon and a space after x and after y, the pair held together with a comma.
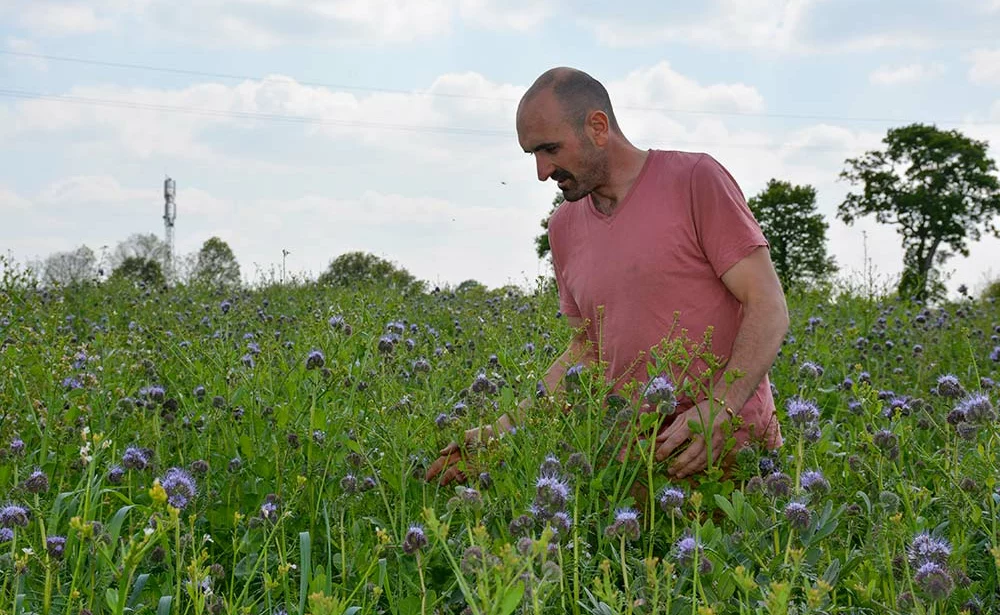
x: 561, y: 152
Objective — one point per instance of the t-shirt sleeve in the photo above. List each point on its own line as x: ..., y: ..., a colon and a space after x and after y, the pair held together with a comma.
x: 725, y: 226
x: 567, y: 305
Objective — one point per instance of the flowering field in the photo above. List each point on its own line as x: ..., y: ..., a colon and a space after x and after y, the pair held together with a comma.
x: 264, y: 452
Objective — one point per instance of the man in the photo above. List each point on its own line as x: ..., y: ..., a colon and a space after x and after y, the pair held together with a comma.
x: 645, y: 237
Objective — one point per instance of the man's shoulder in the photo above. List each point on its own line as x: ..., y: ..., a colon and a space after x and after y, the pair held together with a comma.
x: 677, y: 162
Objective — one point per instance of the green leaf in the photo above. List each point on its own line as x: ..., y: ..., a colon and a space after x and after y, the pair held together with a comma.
x: 305, y: 568
x: 163, y: 607
x: 140, y: 584
x: 115, y: 527
x: 726, y: 507
x: 511, y: 599
x: 111, y: 598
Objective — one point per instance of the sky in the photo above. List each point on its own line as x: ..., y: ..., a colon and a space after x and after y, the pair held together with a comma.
x: 305, y: 129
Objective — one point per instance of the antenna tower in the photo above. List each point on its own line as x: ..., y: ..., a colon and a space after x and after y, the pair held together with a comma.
x: 169, y: 215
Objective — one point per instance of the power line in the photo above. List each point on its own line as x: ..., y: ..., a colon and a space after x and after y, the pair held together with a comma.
x: 342, y: 86
x: 277, y: 117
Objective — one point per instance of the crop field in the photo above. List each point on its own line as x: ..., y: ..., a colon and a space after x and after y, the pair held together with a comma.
x: 263, y: 451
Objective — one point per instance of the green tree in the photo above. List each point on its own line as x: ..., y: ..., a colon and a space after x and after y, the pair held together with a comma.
x: 938, y: 187
x: 542, y: 241
x: 70, y: 268
x: 137, y: 269
x: 216, y: 265
x: 797, y: 233
x: 143, y: 246
x: 355, y: 268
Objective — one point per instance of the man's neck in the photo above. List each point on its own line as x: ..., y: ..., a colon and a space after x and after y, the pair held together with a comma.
x: 606, y: 198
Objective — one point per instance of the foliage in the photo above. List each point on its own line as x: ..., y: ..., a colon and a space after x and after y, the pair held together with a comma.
x: 136, y: 269
x: 306, y: 416
x: 70, y: 268
x: 142, y: 246
x: 542, y: 247
x: 939, y: 188
x: 359, y: 268
x: 795, y: 231
x: 216, y: 265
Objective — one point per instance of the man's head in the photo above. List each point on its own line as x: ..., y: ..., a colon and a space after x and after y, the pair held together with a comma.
x: 566, y: 121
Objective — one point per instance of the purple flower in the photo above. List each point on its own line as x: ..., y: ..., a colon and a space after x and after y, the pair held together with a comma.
x: 315, y: 360
x: 798, y: 515
x: 247, y: 360
x: 37, y: 482
x: 180, y: 487
x: 925, y: 548
x: 71, y: 383
x: 685, y: 550
x: 814, y: 482
x: 55, y: 545
x: 670, y: 498
x: 225, y: 306
x: 421, y: 366
x: 115, y: 475
x: 626, y: 524
x: 386, y: 343
x: 660, y: 392
x: 13, y: 515
x: 810, y: 369
x: 949, y: 386
x: 551, y: 494
x: 17, y: 446
x: 934, y: 580
x: 136, y: 458
x: 6, y: 534
x: 337, y: 322
x: 414, y: 540
x: 977, y: 408
x: 802, y: 413
x: 995, y: 355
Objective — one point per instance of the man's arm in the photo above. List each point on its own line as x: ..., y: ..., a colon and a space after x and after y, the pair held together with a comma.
x: 579, y: 351
x: 755, y: 284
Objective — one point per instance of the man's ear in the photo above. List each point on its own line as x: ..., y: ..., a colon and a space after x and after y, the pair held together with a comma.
x: 598, y: 127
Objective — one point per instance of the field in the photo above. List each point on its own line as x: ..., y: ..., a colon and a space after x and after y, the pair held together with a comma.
x: 263, y: 452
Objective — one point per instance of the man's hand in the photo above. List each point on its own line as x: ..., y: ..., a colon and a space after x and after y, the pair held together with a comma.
x: 474, y: 438
x: 695, y: 458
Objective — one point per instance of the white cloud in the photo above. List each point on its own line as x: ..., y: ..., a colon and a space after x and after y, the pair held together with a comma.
x: 12, y: 203
x: 910, y: 73
x: 493, y: 15
x: 661, y: 87
x: 61, y: 18
x: 985, y: 66
x: 21, y: 45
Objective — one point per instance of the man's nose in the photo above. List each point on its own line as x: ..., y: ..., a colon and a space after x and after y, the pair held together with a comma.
x: 544, y: 168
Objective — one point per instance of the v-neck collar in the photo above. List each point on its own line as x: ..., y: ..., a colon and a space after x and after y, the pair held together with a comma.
x: 608, y: 218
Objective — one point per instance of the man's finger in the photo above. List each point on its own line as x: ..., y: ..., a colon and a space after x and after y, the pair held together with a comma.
x: 441, y: 463
x: 688, y: 458
x: 671, y: 442
x: 453, y: 475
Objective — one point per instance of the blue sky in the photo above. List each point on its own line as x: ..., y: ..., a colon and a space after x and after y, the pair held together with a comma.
x: 325, y: 126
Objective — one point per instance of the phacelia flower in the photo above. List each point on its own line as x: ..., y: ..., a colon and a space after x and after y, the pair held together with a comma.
x: 315, y: 360
x: 37, y: 482
x: 414, y: 540
x: 660, y: 393
x: 925, y: 548
x: 934, y: 581
x: 14, y: 515
x: 813, y: 481
x: 180, y: 487
x: 56, y: 546
x: 948, y: 385
x: 977, y: 408
x: 802, y: 413
x: 798, y: 515
x: 626, y: 524
x: 136, y: 458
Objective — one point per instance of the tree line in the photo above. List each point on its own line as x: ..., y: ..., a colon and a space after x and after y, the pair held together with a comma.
x: 938, y: 188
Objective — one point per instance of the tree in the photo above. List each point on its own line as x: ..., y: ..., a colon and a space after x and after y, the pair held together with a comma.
x: 142, y: 246
x: 70, y: 268
x: 797, y: 233
x: 354, y: 268
x: 144, y: 270
x: 542, y: 241
x: 938, y: 187
x: 216, y: 265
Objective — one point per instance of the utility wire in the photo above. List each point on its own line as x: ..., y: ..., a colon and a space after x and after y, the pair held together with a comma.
x: 341, y: 86
x: 277, y: 117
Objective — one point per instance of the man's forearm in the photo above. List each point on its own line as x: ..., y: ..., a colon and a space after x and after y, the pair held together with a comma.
x: 754, y: 350
x: 578, y: 351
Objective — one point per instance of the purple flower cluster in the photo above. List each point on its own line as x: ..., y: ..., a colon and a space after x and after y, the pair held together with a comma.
x: 660, y: 392
x: 180, y: 487
x: 626, y: 525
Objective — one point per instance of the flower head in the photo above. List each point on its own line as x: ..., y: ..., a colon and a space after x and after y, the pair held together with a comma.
x: 180, y: 487
x: 415, y: 539
x: 661, y: 393
x: 925, y: 548
x: 315, y: 360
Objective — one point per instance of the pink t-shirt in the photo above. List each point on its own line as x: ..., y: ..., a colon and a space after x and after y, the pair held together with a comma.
x: 662, y: 250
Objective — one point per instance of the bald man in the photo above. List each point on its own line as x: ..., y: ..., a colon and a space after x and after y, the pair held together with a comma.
x: 650, y: 243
